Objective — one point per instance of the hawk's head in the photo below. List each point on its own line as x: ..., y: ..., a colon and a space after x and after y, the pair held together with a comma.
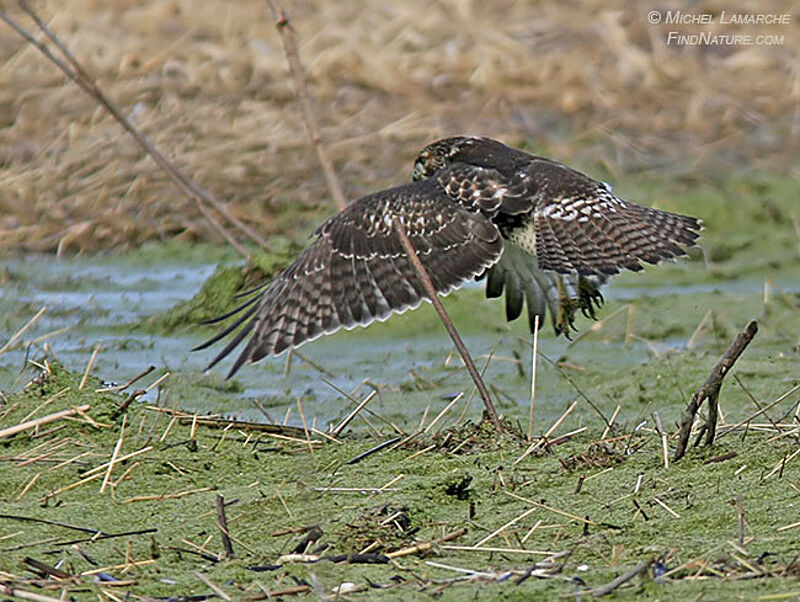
x: 438, y: 155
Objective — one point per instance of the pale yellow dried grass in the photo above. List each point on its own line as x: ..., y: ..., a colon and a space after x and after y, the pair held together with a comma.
x: 207, y: 81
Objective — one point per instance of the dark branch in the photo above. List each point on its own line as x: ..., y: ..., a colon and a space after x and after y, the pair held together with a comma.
x: 710, y: 390
x: 448, y: 324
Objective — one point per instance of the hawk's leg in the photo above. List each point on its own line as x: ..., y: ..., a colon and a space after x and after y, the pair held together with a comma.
x: 589, y: 297
x: 565, y: 316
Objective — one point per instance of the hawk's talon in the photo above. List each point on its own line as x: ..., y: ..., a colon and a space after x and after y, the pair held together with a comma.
x: 565, y: 320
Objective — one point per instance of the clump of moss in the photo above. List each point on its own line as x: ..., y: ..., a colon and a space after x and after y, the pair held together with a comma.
x: 385, y: 527
x: 597, y: 455
x: 60, y: 389
x: 218, y: 293
x: 471, y: 436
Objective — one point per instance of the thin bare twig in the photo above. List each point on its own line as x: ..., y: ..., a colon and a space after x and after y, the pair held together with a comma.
x: 306, y: 102
x: 222, y: 523
x: 448, y: 323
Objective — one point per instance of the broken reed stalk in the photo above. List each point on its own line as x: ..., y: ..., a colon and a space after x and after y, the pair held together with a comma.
x: 622, y: 579
x: 347, y: 419
x: 22, y: 330
x: 710, y: 390
x: 13, y: 430
x: 188, y: 187
x: 222, y: 523
x: 214, y: 587
x: 9, y: 589
x: 533, y: 374
x: 448, y: 323
x: 90, y: 365
x: 286, y: 32
x: 423, y: 547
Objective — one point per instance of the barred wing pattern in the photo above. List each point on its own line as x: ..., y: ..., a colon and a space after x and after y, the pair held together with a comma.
x: 583, y: 227
x: 356, y: 271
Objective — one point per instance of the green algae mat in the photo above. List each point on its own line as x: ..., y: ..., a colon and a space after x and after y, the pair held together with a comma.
x: 105, y: 501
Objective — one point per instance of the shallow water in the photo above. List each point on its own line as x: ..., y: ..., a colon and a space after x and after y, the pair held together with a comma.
x: 409, y: 358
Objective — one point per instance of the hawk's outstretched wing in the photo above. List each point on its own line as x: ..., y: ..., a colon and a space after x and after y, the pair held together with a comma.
x: 356, y: 271
x: 581, y: 226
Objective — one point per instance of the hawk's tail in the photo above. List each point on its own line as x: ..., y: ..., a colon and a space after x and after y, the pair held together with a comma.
x: 563, y: 295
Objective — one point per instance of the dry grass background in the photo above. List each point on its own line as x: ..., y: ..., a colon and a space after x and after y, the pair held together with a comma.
x: 592, y: 83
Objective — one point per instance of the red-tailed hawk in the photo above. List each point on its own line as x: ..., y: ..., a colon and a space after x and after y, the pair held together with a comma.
x: 548, y: 235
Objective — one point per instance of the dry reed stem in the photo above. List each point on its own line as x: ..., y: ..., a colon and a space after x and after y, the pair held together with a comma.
x: 46, y: 403
x: 157, y: 382
x: 661, y: 503
x: 27, y: 487
x: 66, y: 488
x: 115, y: 567
x: 756, y: 403
x: 97, y: 469
x: 663, y: 436
x: 287, y: 34
x: 549, y: 508
x: 13, y: 430
x: 781, y: 464
x: 475, y: 548
x: 9, y: 589
x: 114, y: 454
x: 610, y: 424
x: 424, y: 547
x: 443, y: 412
x: 90, y: 365
x: 305, y: 425
x: 692, y: 342
x: 22, y: 330
x: 532, y: 447
x: 499, y: 530
x: 448, y: 323
x: 787, y: 527
x: 769, y: 406
x: 534, y: 361
x: 165, y: 496
x: 347, y: 419
x: 561, y: 438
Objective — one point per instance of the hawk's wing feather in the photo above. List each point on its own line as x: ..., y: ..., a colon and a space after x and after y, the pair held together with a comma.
x: 356, y: 271
x: 607, y: 241
x: 485, y: 189
x: 582, y: 226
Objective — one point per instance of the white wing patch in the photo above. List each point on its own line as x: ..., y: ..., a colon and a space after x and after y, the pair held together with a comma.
x: 580, y: 209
